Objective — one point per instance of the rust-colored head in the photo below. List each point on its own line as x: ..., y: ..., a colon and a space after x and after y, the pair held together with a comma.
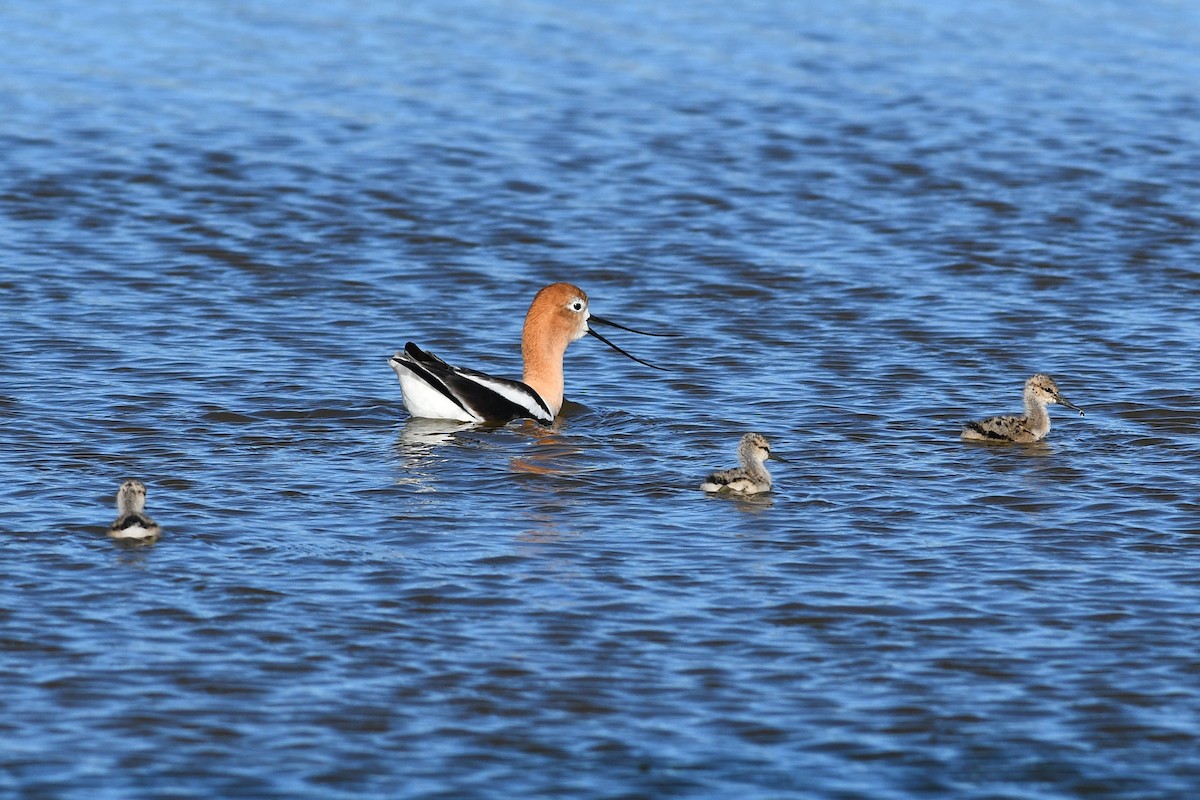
x: 557, y: 316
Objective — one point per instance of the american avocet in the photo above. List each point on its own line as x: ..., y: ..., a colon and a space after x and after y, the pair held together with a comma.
x: 752, y: 476
x: 1040, y: 391
x: 131, y: 523
x: 557, y: 316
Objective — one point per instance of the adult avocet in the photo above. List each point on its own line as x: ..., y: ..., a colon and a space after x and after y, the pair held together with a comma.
x: 131, y: 523
x: 1033, y: 425
x: 557, y: 316
x: 752, y: 476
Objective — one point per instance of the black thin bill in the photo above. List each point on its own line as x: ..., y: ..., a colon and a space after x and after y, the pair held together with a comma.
x: 1064, y: 401
x: 603, y: 321
x: 622, y: 352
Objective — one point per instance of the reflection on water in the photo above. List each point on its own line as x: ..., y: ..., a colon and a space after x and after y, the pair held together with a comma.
x: 131, y: 554
x: 751, y: 504
x: 419, y: 437
x: 416, y: 448
x: 551, y: 452
x: 544, y: 528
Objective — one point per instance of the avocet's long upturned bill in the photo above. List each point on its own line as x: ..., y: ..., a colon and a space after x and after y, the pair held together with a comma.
x: 558, y: 316
x: 1033, y: 425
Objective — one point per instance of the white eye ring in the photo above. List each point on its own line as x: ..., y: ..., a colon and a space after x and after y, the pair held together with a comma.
x: 575, y: 305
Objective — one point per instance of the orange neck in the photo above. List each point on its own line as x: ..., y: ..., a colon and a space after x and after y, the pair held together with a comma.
x: 544, y: 369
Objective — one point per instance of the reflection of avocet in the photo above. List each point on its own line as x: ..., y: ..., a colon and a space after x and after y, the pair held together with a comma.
x: 1040, y: 391
x: 749, y: 478
x: 131, y: 523
x: 419, y: 438
x: 421, y: 435
x: 558, y: 316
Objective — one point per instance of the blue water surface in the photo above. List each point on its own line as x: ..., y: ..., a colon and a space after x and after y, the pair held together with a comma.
x: 867, y: 222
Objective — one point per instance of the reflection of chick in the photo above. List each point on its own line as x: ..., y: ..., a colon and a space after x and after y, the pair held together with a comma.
x: 751, y: 477
x: 1040, y: 391
x: 131, y: 523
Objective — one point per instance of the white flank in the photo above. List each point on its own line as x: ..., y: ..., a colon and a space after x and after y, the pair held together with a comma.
x: 423, y: 400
